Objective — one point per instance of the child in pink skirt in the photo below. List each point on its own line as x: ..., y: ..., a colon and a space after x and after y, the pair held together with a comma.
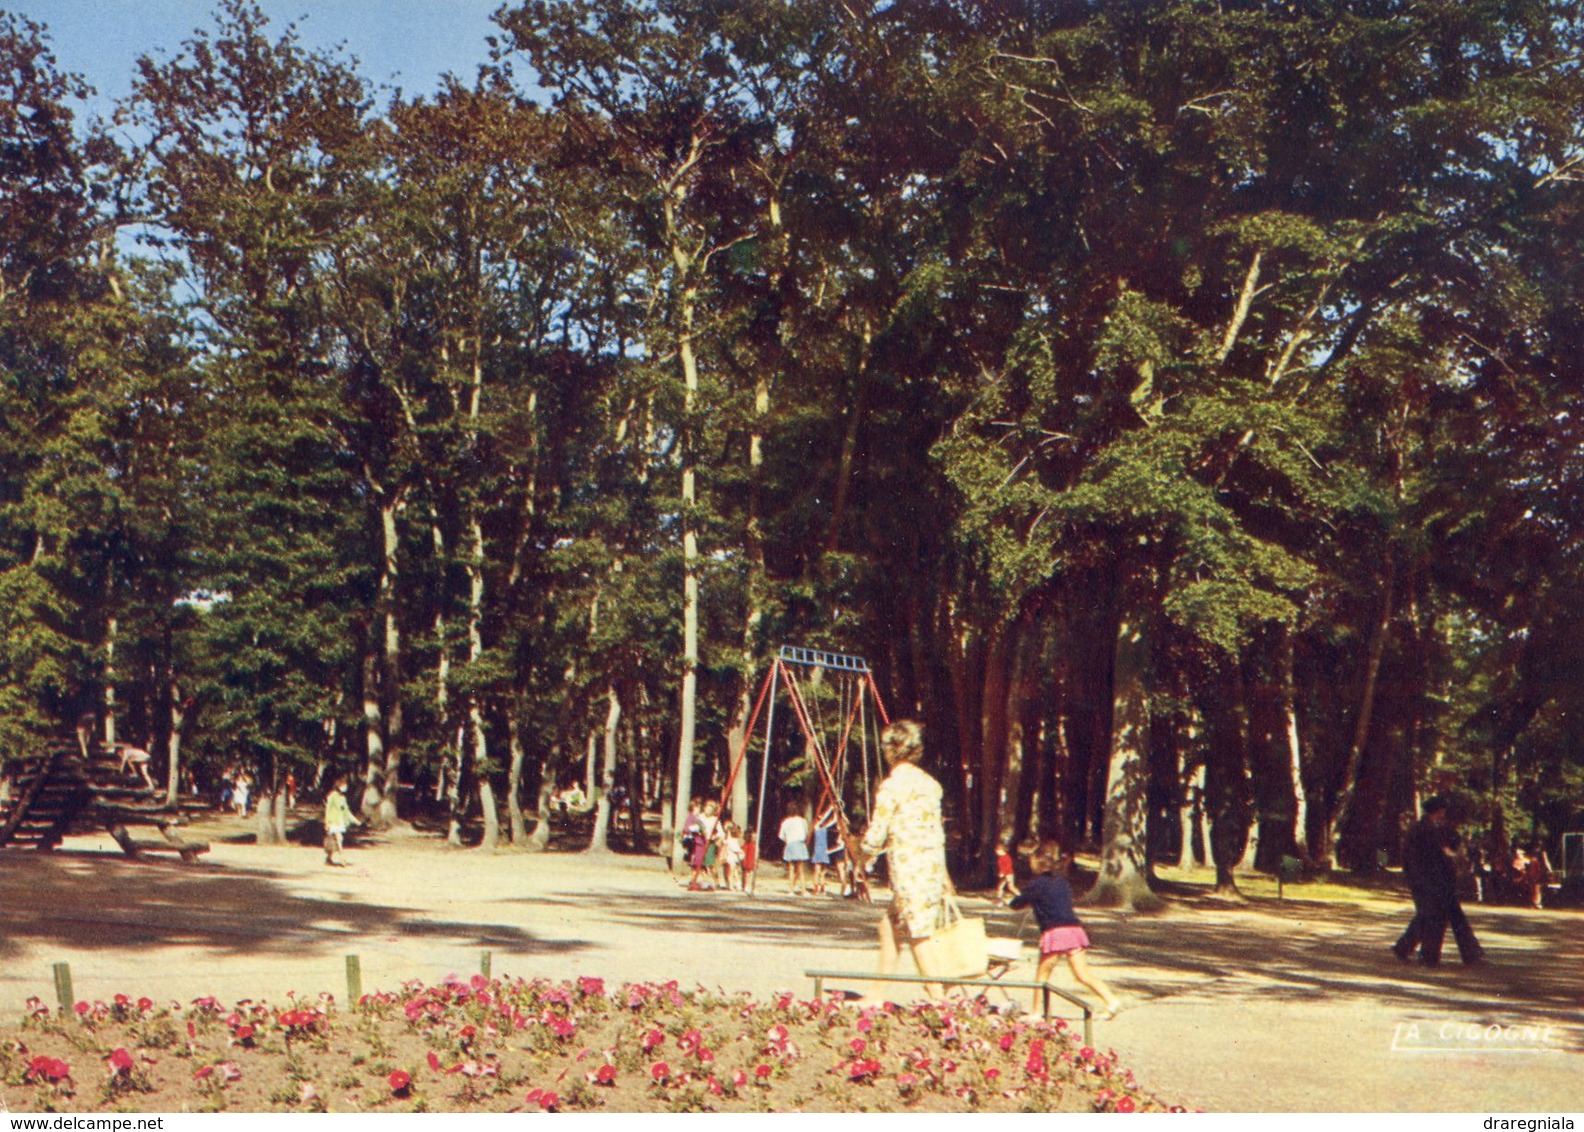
x: 1061, y: 934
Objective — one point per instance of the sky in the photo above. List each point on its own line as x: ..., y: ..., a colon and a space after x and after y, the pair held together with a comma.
x: 401, y: 43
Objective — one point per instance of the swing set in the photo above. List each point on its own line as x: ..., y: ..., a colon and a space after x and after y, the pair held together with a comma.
x: 857, y: 717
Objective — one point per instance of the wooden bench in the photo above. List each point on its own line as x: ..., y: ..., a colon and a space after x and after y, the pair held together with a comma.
x: 189, y: 851
x: 1042, y: 991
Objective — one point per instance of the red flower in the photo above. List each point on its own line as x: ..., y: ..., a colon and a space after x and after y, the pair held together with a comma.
x: 762, y: 1071
x: 544, y: 1098
x: 714, y: 1086
x: 740, y: 1079
x: 857, y: 1045
x: 434, y: 1060
x: 863, y: 1069
x: 653, y: 1039
x: 400, y: 1082
x: 660, y: 1071
x: 865, y: 1024
x: 1036, y: 1059
x: 992, y: 1074
x: 1008, y: 1040
x: 145, y: 1004
x: 1086, y: 1054
x: 120, y: 1060
x: 122, y: 1000
x: 605, y: 1075
x: 81, y: 1008
x: 906, y: 1081
x: 1126, y: 1105
x: 49, y: 1068
x: 591, y: 987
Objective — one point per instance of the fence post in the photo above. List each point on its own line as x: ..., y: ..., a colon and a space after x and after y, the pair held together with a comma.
x: 354, y: 968
x: 63, y: 987
x: 484, y: 965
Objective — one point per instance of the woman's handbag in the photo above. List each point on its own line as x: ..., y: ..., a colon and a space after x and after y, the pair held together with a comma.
x: 958, y: 949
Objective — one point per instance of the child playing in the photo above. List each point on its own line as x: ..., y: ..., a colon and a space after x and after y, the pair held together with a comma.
x: 1007, y: 886
x: 1061, y: 935
x: 732, y: 855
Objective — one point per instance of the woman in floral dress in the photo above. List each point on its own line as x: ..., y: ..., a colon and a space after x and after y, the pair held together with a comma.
x: 907, y: 827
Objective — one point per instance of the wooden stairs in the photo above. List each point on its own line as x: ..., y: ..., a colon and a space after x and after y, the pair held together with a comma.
x: 61, y: 792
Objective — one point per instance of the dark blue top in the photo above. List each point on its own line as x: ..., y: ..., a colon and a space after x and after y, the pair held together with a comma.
x: 1051, y: 899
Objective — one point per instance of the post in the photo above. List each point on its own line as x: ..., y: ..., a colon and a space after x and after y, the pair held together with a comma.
x: 354, y: 969
x: 484, y: 965
x: 764, y: 778
x: 63, y: 987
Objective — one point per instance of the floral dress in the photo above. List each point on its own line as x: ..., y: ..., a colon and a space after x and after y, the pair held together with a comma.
x: 907, y: 827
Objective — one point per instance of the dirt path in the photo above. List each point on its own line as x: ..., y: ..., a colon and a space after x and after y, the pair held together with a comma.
x: 1267, y: 1007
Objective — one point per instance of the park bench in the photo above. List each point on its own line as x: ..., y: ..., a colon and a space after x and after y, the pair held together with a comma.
x: 1042, y: 991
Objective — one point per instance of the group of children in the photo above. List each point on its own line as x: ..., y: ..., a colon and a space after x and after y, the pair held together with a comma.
x: 720, y: 853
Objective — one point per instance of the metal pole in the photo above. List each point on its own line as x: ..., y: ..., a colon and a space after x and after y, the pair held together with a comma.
x: 354, y: 968
x: 764, y: 776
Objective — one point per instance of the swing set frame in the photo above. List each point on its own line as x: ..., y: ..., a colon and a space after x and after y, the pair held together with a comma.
x: 783, y: 671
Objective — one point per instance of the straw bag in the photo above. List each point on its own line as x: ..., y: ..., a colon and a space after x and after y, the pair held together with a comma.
x: 957, y: 949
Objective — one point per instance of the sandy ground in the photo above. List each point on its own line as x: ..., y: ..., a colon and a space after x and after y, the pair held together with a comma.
x: 1269, y: 1006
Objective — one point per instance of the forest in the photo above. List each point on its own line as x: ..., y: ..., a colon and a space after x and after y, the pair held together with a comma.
x: 1176, y: 402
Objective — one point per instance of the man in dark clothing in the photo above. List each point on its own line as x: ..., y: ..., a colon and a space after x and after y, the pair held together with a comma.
x: 1428, y: 863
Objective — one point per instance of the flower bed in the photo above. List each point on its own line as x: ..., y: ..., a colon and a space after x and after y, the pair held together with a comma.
x: 537, y: 1046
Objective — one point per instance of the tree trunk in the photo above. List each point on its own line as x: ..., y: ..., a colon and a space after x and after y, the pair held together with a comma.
x: 539, y: 840
x: 385, y: 814
x: 1337, y: 821
x: 110, y: 678
x: 491, y: 812
x: 373, y: 734
x: 518, y: 824
x: 1124, y: 869
x: 178, y: 719
x: 599, y: 840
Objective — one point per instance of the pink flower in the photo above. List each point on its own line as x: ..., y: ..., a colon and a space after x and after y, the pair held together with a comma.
x: 740, y: 1079
x: 906, y: 1081
x: 653, y: 1039
x: 120, y: 1061
x: 762, y: 1071
x: 591, y: 987
x: 400, y: 1082
x: 1008, y: 1040
x: 145, y: 1004
x: 434, y: 1060
x: 605, y: 1075
x: 82, y: 1008
x: 1125, y: 1104
x: 660, y: 1071
x: 857, y: 1045
x: 1086, y: 1054
x: 865, y: 1024
x: 992, y: 1074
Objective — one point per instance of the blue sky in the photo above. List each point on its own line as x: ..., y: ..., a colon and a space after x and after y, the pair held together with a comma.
x: 404, y: 43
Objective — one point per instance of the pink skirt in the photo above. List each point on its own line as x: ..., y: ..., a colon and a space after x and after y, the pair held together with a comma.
x: 1059, y: 941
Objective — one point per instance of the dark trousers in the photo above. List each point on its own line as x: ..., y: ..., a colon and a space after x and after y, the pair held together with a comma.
x: 1434, y: 912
